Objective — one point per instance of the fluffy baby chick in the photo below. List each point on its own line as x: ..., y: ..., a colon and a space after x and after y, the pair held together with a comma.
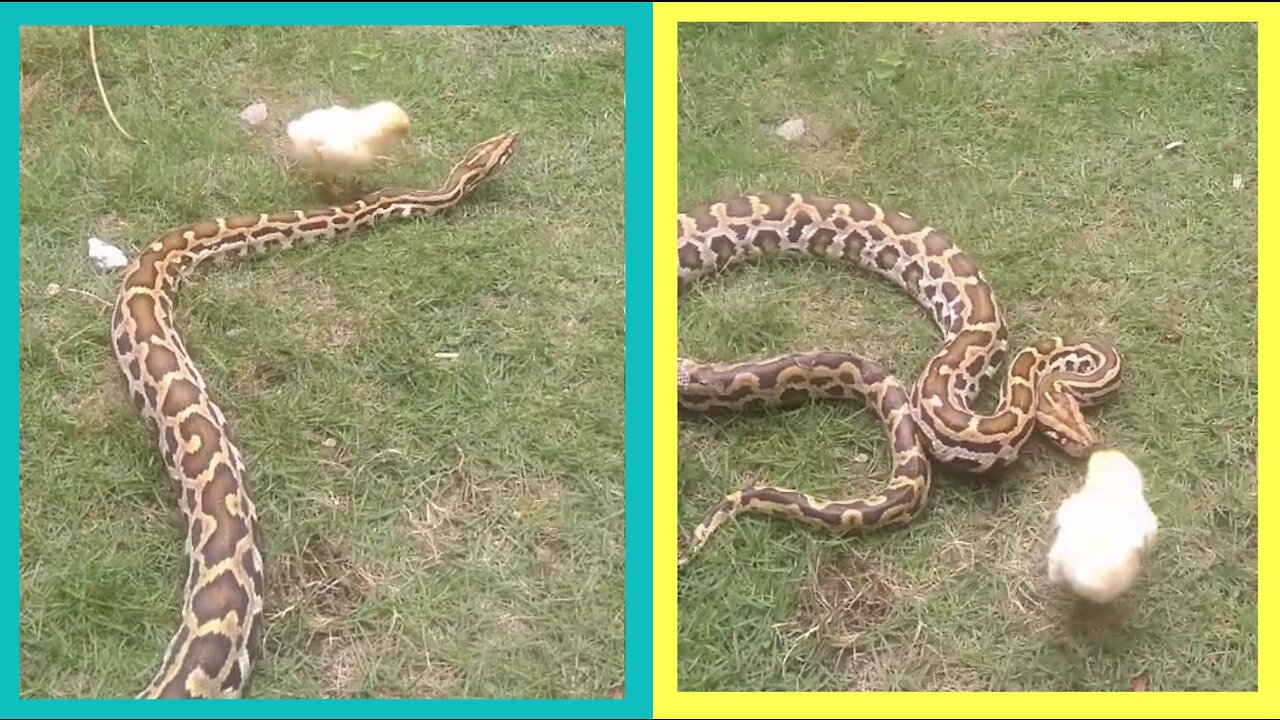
x: 338, y: 141
x: 1104, y: 530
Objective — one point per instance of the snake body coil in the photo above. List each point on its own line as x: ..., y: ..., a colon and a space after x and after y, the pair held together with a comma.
x: 933, y: 420
x: 212, y: 651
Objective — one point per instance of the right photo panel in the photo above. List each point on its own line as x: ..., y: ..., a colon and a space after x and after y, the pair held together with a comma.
x: 967, y: 335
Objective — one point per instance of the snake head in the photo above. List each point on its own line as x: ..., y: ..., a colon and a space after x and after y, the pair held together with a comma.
x: 1060, y: 419
x: 482, y: 161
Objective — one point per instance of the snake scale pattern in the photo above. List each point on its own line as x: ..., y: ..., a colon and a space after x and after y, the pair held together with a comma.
x: 931, y: 422
x: 212, y: 652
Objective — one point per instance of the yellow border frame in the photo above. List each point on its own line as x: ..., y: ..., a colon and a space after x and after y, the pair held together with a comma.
x: 670, y: 703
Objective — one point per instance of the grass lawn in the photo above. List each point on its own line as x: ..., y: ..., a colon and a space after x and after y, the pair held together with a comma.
x: 1046, y: 152
x: 433, y: 527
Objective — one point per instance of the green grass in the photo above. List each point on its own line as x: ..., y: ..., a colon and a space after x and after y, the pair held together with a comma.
x: 433, y: 528
x: 1041, y: 150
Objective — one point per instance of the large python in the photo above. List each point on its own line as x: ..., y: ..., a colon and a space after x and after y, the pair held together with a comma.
x: 212, y: 652
x: 934, y: 420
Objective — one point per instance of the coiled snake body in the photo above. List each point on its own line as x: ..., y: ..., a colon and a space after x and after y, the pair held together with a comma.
x: 211, y: 653
x: 933, y: 420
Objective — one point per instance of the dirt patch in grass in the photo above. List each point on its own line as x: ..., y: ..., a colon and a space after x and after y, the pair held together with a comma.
x: 341, y: 665
x: 843, y: 605
x: 323, y: 586
x: 440, y: 510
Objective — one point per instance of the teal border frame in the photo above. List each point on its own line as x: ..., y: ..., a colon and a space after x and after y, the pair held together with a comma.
x: 637, y: 19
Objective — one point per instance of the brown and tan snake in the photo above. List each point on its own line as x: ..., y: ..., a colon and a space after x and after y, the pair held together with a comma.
x: 214, y: 648
x: 931, y: 422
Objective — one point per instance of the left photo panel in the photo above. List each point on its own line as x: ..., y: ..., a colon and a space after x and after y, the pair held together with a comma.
x: 321, y: 351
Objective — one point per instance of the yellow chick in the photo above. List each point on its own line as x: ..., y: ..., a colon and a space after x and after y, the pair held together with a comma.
x: 1104, y: 530
x: 337, y: 141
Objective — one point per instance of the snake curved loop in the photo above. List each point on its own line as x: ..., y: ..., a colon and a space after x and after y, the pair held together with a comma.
x: 211, y: 653
x: 932, y: 422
